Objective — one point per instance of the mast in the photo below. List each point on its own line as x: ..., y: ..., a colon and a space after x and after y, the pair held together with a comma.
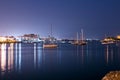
x: 77, y: 37
x: 51, y: 31
x: 82, y: 38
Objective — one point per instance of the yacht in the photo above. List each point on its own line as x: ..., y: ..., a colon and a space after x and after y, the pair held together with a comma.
x: 50, y: 41
x: 108, y: 40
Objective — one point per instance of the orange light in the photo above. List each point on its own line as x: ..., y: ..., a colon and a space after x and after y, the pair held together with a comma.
x: 118, y: 37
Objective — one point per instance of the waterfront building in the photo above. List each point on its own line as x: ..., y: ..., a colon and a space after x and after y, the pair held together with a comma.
x: 7, y: 39
x: 30, y: 38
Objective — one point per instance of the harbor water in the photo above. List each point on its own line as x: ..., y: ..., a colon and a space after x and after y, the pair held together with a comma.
x: 29, y: 61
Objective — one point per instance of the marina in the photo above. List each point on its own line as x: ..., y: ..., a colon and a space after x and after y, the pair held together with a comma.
x: 59, y: 40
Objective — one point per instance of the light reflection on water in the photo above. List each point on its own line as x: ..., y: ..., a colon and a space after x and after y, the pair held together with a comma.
x: 10, y: 56
x: 3, y: 57
x: 111, y: 53
x: 67, y: 58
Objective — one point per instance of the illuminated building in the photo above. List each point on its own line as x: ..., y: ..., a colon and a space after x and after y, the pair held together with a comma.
x: 7, y: 39
x: 29, y: 38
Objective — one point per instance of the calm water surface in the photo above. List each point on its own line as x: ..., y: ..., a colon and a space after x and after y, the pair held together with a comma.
x: 67, y: 62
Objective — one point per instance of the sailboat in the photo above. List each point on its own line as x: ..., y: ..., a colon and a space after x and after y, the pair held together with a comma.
x: 82, y: 41
x: 50, y: 41
x: 76, y: 42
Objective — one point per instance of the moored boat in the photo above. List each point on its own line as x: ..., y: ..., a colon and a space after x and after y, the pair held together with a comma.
x: 49, y: 45
x: 76, y: 42
x: 108, y: 40
x: 83, y: 41
x: 50, y: 42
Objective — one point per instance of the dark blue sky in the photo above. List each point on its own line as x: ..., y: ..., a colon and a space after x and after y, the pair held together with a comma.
x: 95, y: 17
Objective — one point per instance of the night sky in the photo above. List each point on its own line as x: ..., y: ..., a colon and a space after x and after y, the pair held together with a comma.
x: 95, y: 17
